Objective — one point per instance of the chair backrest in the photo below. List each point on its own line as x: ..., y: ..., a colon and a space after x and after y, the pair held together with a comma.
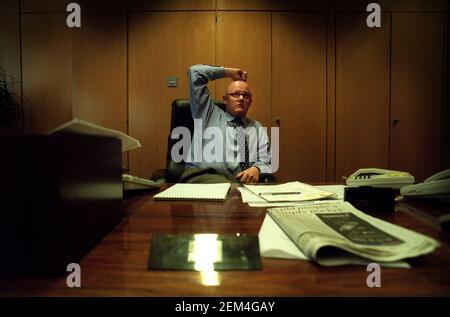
x: 181, y: 117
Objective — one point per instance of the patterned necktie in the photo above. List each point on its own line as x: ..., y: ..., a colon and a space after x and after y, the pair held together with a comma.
x: 242, y: 144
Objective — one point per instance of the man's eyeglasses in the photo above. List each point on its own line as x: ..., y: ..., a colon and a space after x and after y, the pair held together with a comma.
x: 236, y: 95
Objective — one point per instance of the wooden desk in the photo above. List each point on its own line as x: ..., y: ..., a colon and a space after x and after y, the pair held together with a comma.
x: 117, y: 266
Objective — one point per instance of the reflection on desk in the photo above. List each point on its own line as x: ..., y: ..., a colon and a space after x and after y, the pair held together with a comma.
x: 117, y: 266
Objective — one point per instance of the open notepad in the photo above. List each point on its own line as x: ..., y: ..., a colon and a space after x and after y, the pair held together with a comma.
x: 203, y: 192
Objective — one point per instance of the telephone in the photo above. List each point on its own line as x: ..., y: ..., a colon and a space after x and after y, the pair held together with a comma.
x: 136, y: 183
x: 436, y: 186
x: 376, y: 177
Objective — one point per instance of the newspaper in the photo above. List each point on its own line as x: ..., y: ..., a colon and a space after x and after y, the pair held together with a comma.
x: 338, y: 234
x: 80, y: 126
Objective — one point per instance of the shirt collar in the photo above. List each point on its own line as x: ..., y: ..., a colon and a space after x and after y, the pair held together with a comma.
x: 230, y: 118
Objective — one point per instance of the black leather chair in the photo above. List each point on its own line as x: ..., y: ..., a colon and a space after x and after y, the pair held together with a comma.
x: 182, y: 117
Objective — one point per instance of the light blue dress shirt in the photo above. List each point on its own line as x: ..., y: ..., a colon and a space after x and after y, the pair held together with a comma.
x: 206, y: 113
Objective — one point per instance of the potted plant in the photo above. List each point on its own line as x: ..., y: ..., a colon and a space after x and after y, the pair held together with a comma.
x: 10, y: 108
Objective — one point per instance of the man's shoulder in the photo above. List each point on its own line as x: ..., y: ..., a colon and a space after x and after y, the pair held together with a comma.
x: 252, y: 123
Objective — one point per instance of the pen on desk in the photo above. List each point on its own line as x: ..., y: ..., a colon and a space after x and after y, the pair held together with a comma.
x: 286, y: 193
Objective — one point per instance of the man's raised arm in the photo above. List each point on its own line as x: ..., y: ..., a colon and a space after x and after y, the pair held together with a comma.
x: 200, y: 96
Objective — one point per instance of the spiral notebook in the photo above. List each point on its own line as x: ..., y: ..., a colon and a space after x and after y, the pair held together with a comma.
x: 202, y: 192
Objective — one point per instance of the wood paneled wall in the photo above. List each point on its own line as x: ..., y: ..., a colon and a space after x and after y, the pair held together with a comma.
x: 362, y: 93
x: 247, y: 45
x: 162, y: 45
x: 417, y: 92
x: 47, y: 69
x: 345, y: 96
x: 299, y: 93
x: 10, y: 38
x: 10, y: 48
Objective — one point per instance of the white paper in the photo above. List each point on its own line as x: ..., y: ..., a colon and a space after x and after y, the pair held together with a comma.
x: 185, y: 191
x: 79, y: 126
x: 249, y: 197
x: 289, y: 192
x: 337, y: 189
x: 254, y: 200
x: 274, y: 243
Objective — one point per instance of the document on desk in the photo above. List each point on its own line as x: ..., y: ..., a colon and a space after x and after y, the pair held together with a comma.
x: 289, y: 192
x: 337, y: 234
x: 254, y: 200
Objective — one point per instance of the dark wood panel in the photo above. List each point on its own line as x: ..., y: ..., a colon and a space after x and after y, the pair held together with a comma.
x: 446, y: 138
x: 331, y: 98
x: 417, y: 92
x: 61, y: 5
x: 10, y: 37
x: 273, y: 5
x: 299, y: 94
x: 10, y: 50
x: 247, y: 45
x: 362, y: 94
x: 99, y: 83
x: 161, y: 45
x: 99, y: 88
x: 162, y: 5
x: 47, y: 69
x: 393, y: 5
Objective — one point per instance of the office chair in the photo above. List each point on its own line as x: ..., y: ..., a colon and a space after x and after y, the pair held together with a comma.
x: 182, y: 117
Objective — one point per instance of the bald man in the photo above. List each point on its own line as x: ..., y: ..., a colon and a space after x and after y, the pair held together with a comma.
x: 251, y: 150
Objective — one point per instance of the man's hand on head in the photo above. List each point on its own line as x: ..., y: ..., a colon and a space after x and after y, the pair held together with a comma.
x: 236, y: 74
x: 249, y: 176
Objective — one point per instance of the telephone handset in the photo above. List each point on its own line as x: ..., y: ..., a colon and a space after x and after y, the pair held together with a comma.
x: 435, y: 186
x: 377, y: 177
x: 136, y: 183
x: 445, y: 174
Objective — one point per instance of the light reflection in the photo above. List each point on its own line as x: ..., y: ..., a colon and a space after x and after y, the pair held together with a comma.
x: 210, y: 278
x: 205, y: 250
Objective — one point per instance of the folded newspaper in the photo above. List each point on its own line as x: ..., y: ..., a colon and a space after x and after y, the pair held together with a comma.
x: 338, y: 234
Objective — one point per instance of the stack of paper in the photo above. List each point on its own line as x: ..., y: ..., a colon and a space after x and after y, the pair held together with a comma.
x: 202, y: 192
x: 79, y: 126
x: 288, y: 192
x: 276, y: 194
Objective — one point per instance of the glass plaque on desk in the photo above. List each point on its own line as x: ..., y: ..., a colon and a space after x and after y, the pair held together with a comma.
x: 204, y: 252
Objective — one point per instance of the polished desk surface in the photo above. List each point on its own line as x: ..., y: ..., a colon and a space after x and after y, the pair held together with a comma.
x: 117, y: 266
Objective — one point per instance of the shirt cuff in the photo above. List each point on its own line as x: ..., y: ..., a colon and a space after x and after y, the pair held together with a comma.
x: 263, y: 168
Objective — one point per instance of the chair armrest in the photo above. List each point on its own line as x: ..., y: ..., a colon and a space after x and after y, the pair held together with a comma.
x: 159, y: 175
x: 267, y: 178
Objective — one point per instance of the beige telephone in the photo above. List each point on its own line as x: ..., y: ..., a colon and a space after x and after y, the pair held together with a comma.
x: 377, y: 177
x: 136, y: 183
x: 436, y: 186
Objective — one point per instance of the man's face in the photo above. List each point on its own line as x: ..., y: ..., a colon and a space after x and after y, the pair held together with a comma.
x: 238, y: 98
